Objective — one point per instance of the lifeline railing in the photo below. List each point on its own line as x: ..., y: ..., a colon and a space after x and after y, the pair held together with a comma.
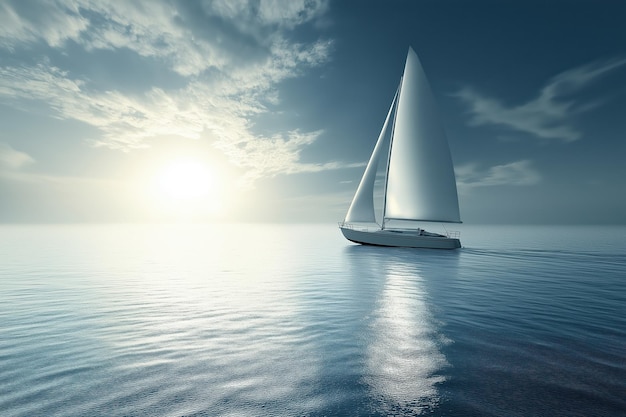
x: 352, y: 226
x: 452, y: 234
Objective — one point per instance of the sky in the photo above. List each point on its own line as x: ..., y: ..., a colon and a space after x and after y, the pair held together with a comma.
x: 267, y: 111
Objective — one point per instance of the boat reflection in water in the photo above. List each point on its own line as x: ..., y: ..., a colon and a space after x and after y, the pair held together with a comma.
x: 403, y: 361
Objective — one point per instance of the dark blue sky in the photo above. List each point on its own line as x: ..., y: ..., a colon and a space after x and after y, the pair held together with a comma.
x: 283, y: 101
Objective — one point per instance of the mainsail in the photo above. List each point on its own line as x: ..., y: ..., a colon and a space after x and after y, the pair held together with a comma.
x: 420, y: 182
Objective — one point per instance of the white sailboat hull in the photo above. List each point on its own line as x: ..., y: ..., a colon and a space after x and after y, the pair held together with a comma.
x: 398, y: 238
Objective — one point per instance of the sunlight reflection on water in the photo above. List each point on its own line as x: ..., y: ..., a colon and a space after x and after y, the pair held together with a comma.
x: 293, y: 320
x: 403, y: 360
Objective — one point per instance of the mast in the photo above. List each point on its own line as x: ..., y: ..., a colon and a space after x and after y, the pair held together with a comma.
x: 393, y: 127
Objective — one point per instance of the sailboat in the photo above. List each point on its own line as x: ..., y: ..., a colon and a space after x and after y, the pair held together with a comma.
x: 420, y: 185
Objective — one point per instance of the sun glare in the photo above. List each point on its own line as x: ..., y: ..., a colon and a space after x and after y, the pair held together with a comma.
x: 187, y: 189
x: 186, y: 180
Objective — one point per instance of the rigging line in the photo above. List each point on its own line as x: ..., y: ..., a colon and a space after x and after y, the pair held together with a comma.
x: 393, y: 129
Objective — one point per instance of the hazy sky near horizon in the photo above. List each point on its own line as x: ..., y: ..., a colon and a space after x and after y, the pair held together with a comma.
x: 242, y: 110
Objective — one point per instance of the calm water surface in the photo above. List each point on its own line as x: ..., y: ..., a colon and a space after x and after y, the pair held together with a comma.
x: 294, y: 320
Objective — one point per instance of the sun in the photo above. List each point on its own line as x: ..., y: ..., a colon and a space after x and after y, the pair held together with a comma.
x: 187, y: 189
x: 185, y: 180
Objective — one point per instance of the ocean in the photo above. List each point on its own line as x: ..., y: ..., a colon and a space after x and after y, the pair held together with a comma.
x: 293, y: 320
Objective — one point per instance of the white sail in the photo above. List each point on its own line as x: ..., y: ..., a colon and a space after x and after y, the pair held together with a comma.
x: 420, y: 182
x: 362, y: 207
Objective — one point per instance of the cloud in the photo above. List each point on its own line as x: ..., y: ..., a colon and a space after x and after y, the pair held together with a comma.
x: 189, y: 36
x: 13, y: 162
x: 231, y: 56
x: 276, y: 155
x: 12, y: 159
x: 551, y: 113
x: 29, y: 21
x: 517, y: 173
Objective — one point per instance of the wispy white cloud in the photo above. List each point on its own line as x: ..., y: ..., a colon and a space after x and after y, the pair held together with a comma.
x: 52, y: 21
x: 515, y: 173
x: 548, y: 116
x: 13, y: 159
x: 14, y: 163
x: 190, y: 36
x: 231, y: 54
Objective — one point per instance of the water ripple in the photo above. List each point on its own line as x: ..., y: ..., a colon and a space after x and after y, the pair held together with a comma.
x: 245, y: 320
